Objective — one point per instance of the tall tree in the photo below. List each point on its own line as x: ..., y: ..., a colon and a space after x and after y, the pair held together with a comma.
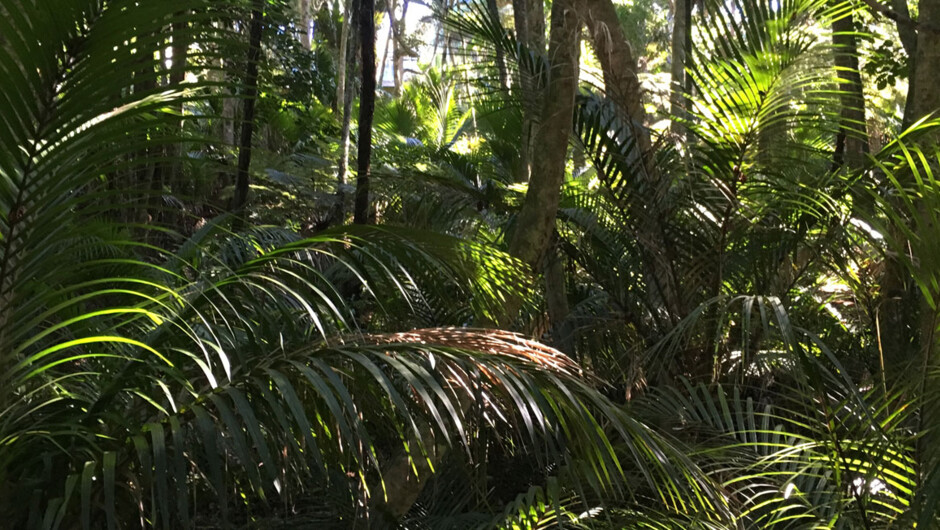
x: 852, y: 140
x: 924, y: 91
x: 366, y: 20
x: 342, y: 58
x: 535, y: 223
x: 493, y: 9
x: 529, y: 19
x: 899, y: 334
x: 255, y: 27
x: 622, y: 85
x: 618, y: 63
x: 681, y: 47
x: 303, y: 7
x: 345, y: 92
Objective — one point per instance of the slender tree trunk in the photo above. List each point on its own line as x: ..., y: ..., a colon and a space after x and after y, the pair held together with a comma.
x: 852, y: 141
x: 398, y: 51
x: 493, y: 10
x: 389, y: 42
x: 681, y: 37
x: 366, y: 16
x: 623, y: 88
x: 240, y: 196
x: 529, y: 19
x: 908, y: 36
x: 174, y: 153
x: 535, y: 224
x: 305, y: 24
x: 339, y: 211
x: 343, y: 59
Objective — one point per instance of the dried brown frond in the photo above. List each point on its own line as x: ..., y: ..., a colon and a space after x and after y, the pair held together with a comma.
x: 495, y: 341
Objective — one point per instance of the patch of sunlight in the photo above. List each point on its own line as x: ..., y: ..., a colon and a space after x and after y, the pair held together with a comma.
x: 867, y: 228
x: 874, y: 486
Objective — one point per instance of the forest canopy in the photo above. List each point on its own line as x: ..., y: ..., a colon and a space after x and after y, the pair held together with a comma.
x: 454, y: 264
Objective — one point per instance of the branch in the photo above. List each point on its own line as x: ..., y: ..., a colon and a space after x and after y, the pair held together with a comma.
x: 902, y: 20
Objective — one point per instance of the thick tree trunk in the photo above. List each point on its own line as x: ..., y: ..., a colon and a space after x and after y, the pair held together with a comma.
x: 899, y: 334
x: 556, y: 301
x: 240, y: 196
x: 852, y: 141
x: 924, y: 100
x: 535, y: 224
x: 924, y: 91
x: 366, y: 20
x: 617, y: 61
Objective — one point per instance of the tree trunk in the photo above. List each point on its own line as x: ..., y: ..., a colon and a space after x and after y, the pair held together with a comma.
x: 343, y: 60
x: 366, y: 20
x: 529, y: 19
x: 924, y: 91
x: 493, y: 10
x: 623, y: 88
x: 681, y: 37
x: 852, y: 141
x: 901, y: 300
x: 305, y: 24
x: 339, y: 211
x: 617, y: 61
x: 908, y: 35
x: 556, y: 301
x: 535, y: 224
x: 923, y: 100
x: 240, y: 196
x: 398, y: 51
x: 389, y: 42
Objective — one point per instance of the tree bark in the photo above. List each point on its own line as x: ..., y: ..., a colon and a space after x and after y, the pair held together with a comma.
x: 681, y: 37
x: 240, y: 196
x: 535, y: 223
x: 366, y: 20
x: 304, y: 9
x: 493, y: 10
x: 556, y: 301
x: 339, y: 210
x: 623, y: 88
x: 924, y: 100
x: 529, y: 19
x: 617, y: 61
x: 343, y: 60
x: 924, y: 91
x: 852, y: 140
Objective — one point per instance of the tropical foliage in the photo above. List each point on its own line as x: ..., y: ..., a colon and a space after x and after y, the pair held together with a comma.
x: 726, y: 319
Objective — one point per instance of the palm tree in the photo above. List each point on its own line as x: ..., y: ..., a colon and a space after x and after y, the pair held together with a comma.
x: 208, y: 374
